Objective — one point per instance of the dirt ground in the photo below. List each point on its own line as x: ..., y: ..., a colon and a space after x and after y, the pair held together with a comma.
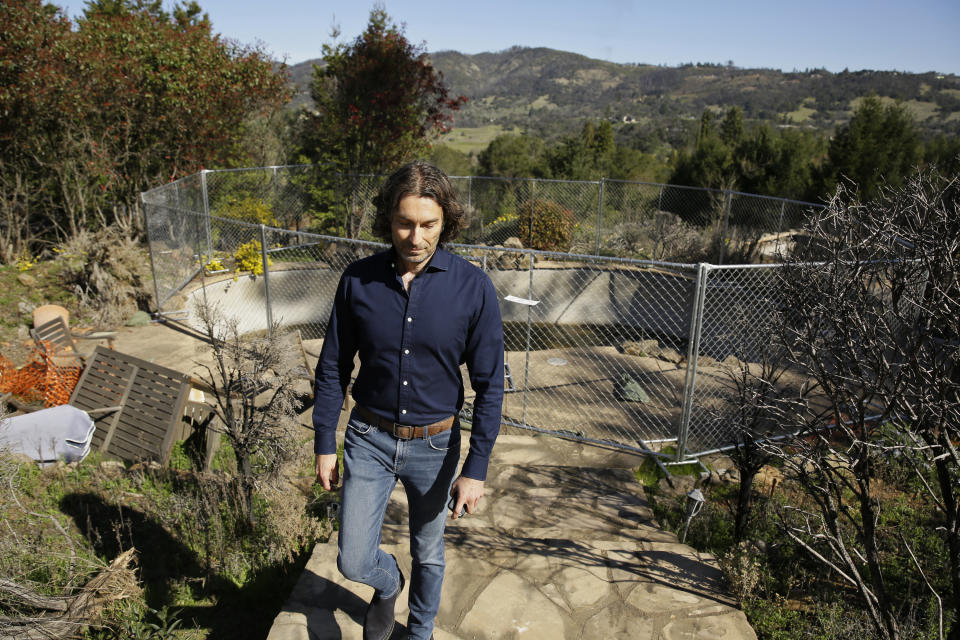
x: 571, y: 391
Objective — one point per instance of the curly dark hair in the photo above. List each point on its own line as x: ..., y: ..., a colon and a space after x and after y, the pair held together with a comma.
x: 424, y: 180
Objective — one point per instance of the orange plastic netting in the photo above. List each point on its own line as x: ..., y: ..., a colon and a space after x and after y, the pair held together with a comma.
x: 41, y: 379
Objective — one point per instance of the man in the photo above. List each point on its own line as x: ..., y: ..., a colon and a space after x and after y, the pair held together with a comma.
x: 414, y: 313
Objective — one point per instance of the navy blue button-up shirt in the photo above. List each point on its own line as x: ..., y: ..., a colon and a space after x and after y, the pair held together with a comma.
x: 411, y: 345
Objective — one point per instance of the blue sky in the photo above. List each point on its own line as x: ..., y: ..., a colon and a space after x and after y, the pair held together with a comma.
x: 917, y: 36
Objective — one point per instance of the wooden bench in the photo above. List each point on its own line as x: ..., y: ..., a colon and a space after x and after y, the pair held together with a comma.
x: 138, y: 406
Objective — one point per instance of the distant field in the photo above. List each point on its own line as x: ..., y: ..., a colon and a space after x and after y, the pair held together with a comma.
x: 801, y: 114
x: 919, y: 109
x: 473, y: 139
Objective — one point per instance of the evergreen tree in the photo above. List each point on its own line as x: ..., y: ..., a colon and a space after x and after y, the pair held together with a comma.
x: 879, y: 144
x: 512, y: 156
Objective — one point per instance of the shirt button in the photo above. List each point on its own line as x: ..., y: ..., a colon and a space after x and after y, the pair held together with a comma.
x: 403, y: 411
x: 404, y: 383
x: 405, y: 351
x: 409, y: 319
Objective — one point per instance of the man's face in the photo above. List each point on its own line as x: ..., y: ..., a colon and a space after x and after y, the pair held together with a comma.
x: 415, y: 230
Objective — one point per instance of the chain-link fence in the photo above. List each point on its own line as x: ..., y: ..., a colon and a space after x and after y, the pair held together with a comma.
x: 629, y: 352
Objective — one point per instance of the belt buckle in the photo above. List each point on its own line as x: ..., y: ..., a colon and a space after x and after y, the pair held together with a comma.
x: 398, y: 426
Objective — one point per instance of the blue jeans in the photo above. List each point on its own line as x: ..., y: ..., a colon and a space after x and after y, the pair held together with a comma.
x: 373, y: 461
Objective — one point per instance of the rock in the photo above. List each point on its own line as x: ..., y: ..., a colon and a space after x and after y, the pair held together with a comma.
x: 112, y: 467
x: 760, y: 546
x: 25, y: 308
x: 138, y: 319
x: 651, y: 349
x: 643, y: 348
x: 23, y: 332
x: 767, y: 477
x: 629, y: 390
x: 150, y: 465
x: 670, y: 355
x: 702, y: 361
x: 719, y: 461
x: 513, y: 243
x: 724, y: 475
x: 27, y: 280
x: 682, y: 485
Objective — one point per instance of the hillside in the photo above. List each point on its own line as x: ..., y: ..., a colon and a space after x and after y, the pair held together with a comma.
x: 551, y: 92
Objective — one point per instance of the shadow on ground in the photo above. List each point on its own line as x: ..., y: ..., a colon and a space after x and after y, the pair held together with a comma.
x: 167, y: 568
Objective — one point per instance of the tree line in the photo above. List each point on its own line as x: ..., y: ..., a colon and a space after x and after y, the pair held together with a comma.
x: 881, y: 144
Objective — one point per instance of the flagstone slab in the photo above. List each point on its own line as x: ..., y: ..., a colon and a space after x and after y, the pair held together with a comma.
x: 555, y: 552
x: 511, y: 607
x: 723, y: 627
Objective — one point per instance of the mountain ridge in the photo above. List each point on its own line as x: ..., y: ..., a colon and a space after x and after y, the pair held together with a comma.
x: 550, y: 92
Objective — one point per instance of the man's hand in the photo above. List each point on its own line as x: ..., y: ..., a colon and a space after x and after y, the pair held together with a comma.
x: 466, y: 492
x: 328, y: 471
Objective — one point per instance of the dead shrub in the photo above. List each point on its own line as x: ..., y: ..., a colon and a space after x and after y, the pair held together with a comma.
x: 109, y: 273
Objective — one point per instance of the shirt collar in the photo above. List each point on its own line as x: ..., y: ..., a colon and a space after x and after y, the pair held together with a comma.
x: 439, y: 262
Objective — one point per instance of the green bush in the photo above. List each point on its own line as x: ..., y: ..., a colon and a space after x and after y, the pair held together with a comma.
x: 249, y: 257
x: 552, y: 228
x: 247, y: 209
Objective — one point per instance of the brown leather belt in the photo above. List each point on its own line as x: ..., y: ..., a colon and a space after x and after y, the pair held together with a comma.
x: 405, y: 431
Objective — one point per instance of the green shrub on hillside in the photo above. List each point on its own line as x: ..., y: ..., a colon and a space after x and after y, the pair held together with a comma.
x: 246, y: 209
x: 552, y: 227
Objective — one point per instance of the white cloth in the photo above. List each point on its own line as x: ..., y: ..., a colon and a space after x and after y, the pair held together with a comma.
x: 63, y: 432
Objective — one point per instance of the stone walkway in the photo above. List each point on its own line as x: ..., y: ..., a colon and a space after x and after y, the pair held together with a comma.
x: 564, y: 547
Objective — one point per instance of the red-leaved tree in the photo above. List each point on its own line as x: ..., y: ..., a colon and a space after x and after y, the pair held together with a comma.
x: 132, y: 97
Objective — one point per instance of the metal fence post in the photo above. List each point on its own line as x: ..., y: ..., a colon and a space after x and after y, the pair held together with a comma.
x: 783, y: 206
x: 693, y: 354
x: 724, y: 226
x: 526, y: 365
x: 533, y: 196
x: 266, y: 278
x: 660, y: 200
x: 599, y: 215
x: 153, y: 263
x: 470, y: 201
x: 206, y: 211
x: 276, y: 193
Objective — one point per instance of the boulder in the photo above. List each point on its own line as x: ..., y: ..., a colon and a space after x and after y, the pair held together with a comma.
x: 642, y: 348
x: 112, y: 467
x: 682, y: 485
x: 628, y: 389
x: 27, y: 280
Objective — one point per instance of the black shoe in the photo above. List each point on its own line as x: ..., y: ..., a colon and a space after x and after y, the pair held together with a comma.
x: 381, y: 615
